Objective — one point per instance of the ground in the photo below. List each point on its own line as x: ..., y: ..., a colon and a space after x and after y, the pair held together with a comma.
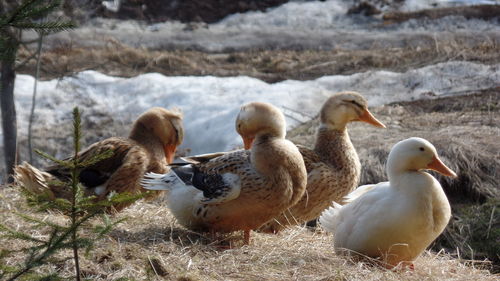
x: 151, y: 246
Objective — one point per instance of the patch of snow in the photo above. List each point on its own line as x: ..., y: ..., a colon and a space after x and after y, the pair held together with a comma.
x: 295, y: 25
x: 210, y: 104
x: 113, y: 6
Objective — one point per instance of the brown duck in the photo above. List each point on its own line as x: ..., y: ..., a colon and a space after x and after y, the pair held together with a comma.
x: 150, y: 146
x: 333, y: 165
x: 238, y: 190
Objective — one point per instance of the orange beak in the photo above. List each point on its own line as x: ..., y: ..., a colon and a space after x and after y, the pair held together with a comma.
x: 170, y: 152
x: 438, y: 166
x: 248, y: 142
x: 370, y: 119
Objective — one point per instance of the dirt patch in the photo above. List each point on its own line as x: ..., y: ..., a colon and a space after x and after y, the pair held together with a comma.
x: 208, y: 11
x: 484, y: 12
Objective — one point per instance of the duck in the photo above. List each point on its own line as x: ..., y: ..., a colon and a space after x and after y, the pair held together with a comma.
x: 393, y: 222
x: 333, y: 165
x: 150, y: 146
x: 237, y: 190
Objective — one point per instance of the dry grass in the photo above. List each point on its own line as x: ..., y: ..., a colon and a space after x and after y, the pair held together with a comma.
x: 151, y: 246
x: 269, y: 65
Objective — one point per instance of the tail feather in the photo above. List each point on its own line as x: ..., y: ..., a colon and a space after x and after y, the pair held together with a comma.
x: 32, y: 179
x: 154, y: 181
x: 329, y: 218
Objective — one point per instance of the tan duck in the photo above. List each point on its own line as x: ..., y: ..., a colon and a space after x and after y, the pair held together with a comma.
x: 394, y: 221
x: 149, y: 147
x: 333, y: 165
x: 242, y: 189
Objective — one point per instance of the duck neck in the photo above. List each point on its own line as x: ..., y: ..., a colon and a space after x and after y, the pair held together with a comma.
x: 395, y: 169
x: 263, y: 153
x: 148, y: 140
x: 335, y: 148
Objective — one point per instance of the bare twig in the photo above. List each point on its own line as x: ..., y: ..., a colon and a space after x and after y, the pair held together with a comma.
x: 490, y: 223
x: 33, y: 99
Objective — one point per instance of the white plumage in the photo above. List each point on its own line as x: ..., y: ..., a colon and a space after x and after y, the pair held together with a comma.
x: 396, y: 220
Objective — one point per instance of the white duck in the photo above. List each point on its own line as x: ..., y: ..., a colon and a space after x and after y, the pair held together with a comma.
x: 394, y: 221
x: 239, y: 190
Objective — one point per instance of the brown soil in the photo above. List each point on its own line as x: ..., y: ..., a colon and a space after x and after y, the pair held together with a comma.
x: 208, y: 11
x: 484, y: 12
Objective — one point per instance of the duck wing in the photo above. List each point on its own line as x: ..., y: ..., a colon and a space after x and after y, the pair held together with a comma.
x: 217, y: 177
x: 119, y: 172
x: 310, y: 157
x: 361, y: 190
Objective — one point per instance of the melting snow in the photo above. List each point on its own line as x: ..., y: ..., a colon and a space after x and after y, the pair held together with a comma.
x: 210, y: 104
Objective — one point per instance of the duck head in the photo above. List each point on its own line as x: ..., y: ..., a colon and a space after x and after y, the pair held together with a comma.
x: 163, y: 125
x: 344, y: 107
x: 257, y: 119
x: 416, y: 154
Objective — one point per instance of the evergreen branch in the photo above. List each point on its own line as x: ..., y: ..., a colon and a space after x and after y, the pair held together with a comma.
x: 19, y: 12
x: 11, y: 233
x: 39, y: 222
x: 50, y: 277
x: 79, y: 242
x: 96, y: 158
x: 62, y: 163
x: 46, y: 27
x: 49, y: 251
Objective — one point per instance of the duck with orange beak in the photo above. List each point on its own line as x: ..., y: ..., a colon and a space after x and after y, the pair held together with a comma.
x: 150, y: 146
x: 237, y: 190
x: 333, y: 165
x: 394, y: 221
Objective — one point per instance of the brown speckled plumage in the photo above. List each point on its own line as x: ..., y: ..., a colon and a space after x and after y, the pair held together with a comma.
x: 333, y: 165
x: 263, y: 194
x: 238, y: 190
x: 333, y: 171
x: 143, y: 151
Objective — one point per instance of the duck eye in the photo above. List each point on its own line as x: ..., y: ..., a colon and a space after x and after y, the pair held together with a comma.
x: 421, y: 149
x: 355, y: 103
